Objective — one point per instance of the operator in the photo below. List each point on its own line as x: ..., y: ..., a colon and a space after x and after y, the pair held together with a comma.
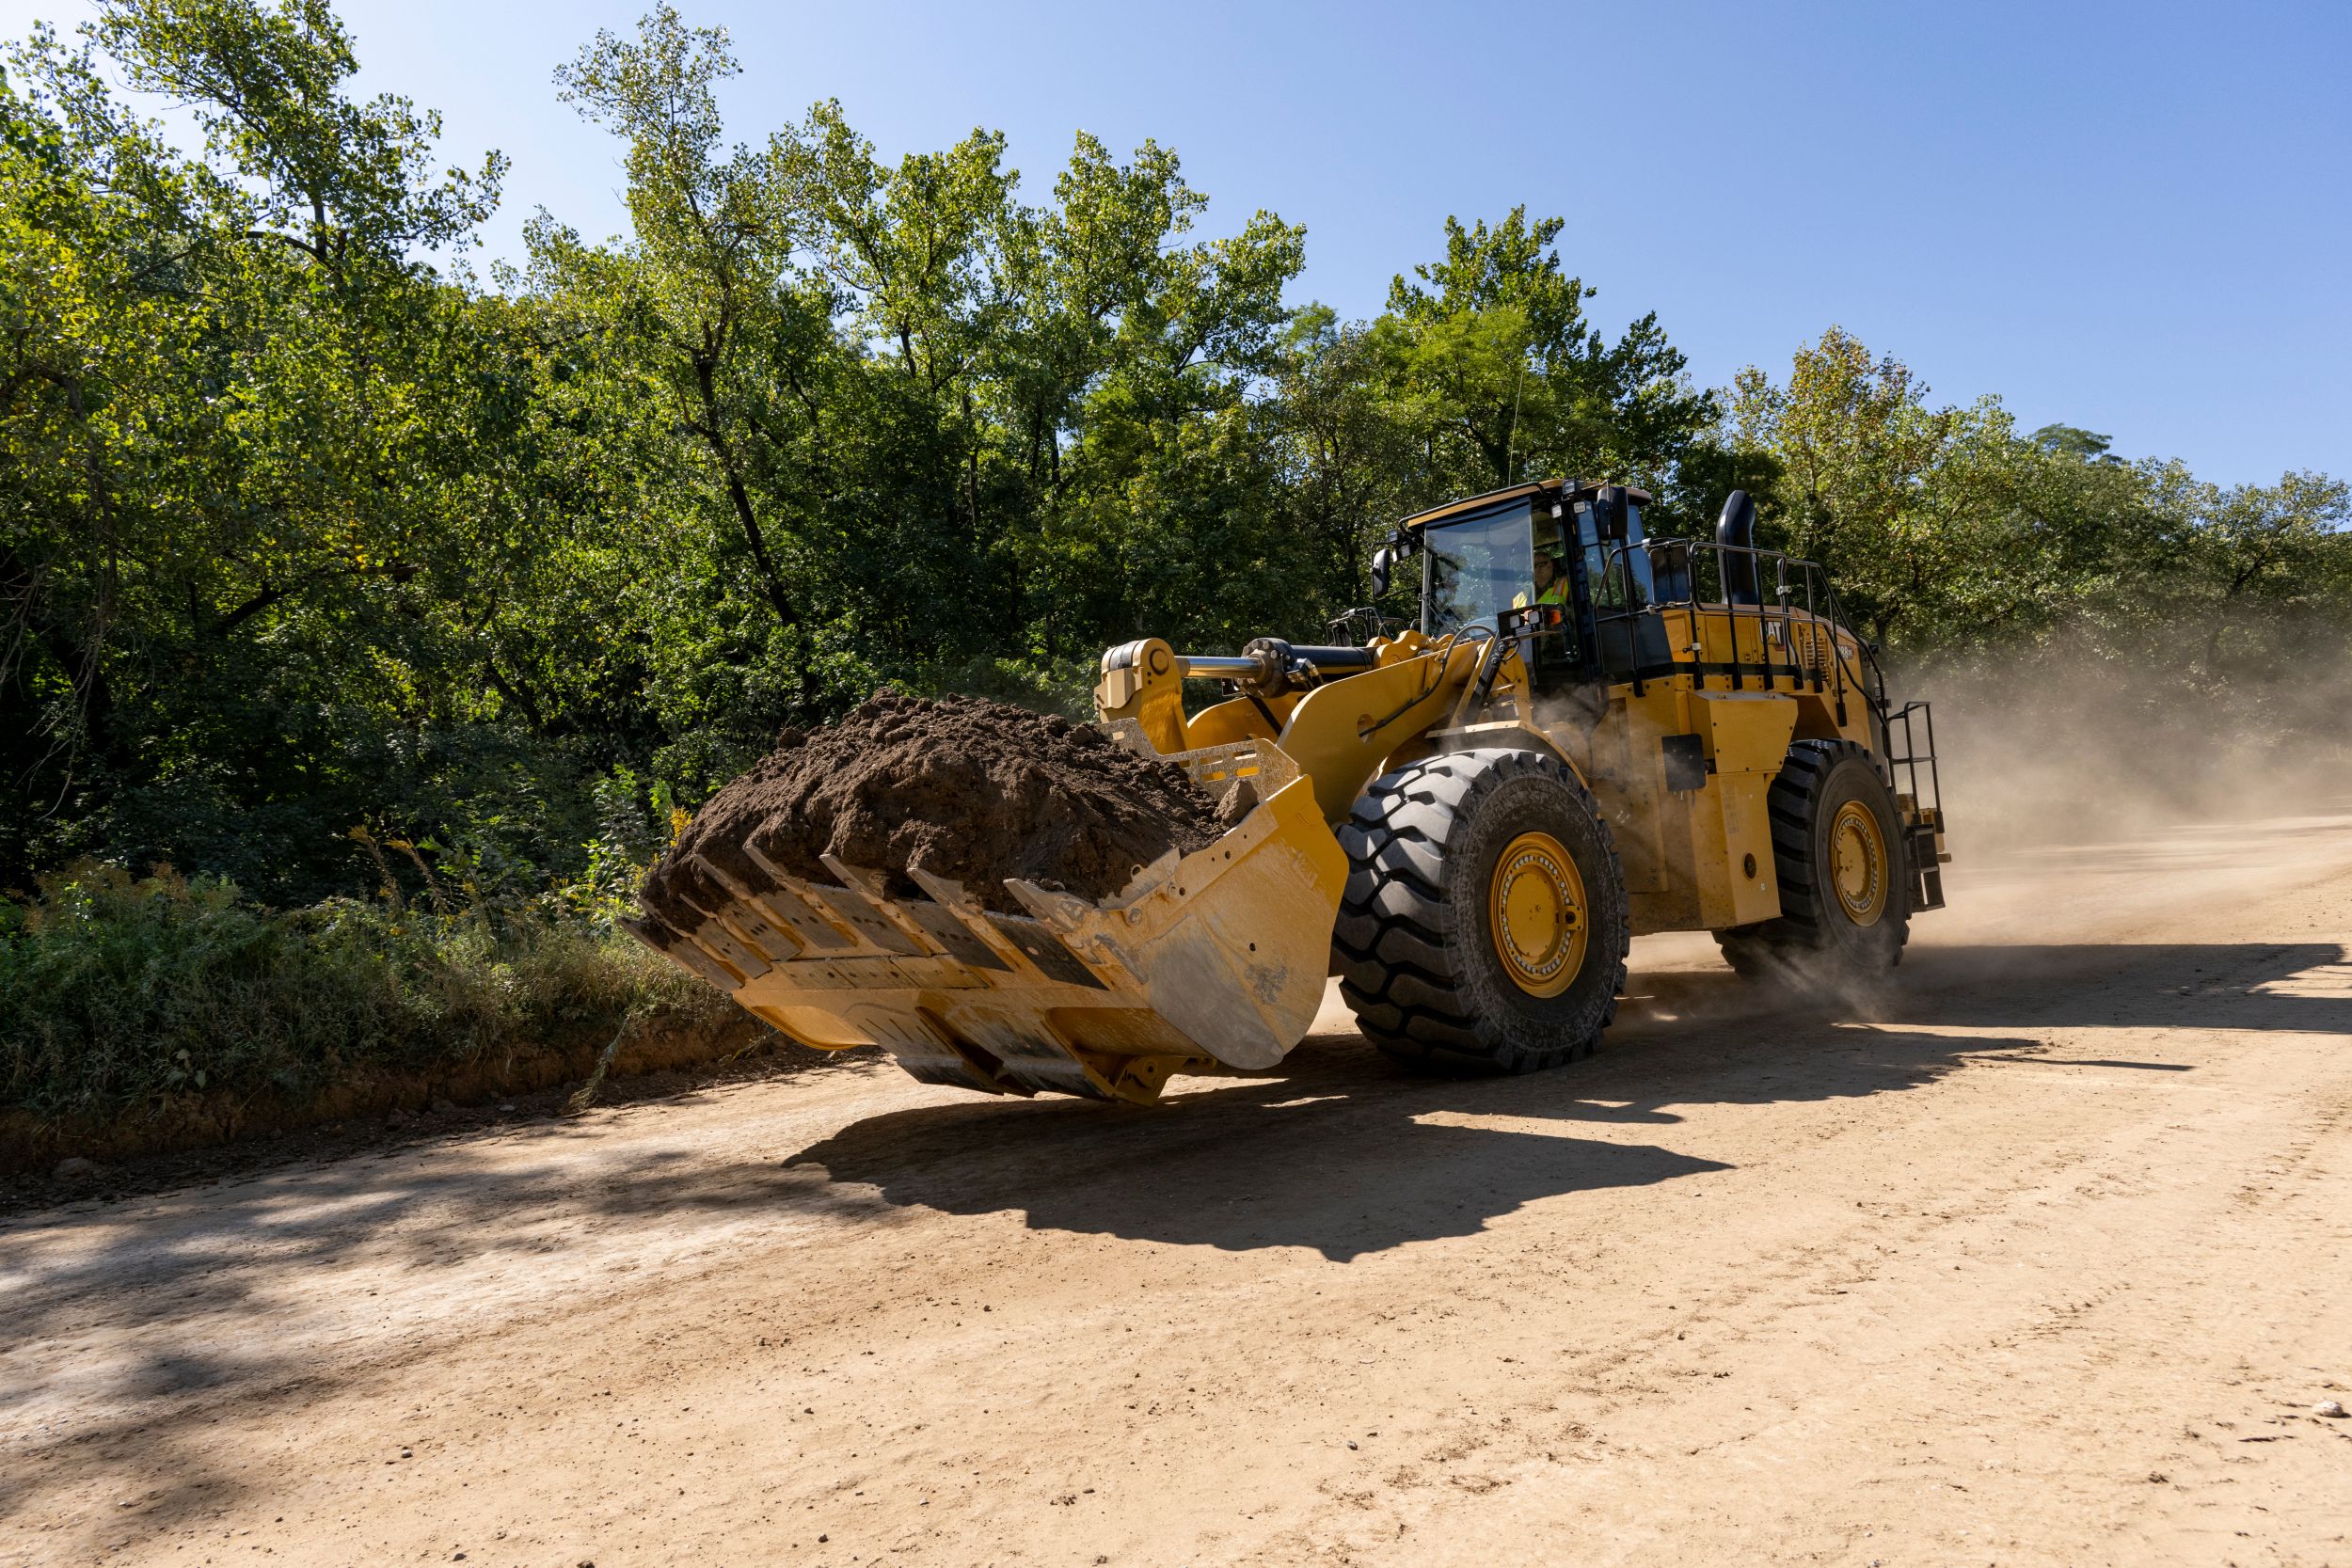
x: 1551, y: 578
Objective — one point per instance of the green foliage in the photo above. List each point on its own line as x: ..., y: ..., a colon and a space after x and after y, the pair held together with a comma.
x: 237, y: 424
x: 1492, y: 363
x: 1950, y: 534
x: 119, y: 995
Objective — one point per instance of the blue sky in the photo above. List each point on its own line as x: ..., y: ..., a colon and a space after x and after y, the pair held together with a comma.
x: 2132, y: 218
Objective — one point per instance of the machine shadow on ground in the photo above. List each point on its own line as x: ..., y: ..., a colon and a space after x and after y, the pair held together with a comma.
x: 1346, y: 1154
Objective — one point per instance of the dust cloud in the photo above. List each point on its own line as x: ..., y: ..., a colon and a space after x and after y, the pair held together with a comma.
x: 2054, y: 751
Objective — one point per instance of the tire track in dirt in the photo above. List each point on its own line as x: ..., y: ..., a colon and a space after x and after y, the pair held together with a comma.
x: 2094, y: 1315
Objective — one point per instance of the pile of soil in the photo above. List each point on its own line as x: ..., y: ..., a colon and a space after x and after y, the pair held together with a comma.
x: 963, y: 787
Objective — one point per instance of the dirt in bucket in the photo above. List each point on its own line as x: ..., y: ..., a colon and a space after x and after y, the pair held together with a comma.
x: 963, y: 787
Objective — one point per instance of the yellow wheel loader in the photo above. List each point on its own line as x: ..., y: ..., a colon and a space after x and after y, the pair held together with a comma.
x: 1589, y: 735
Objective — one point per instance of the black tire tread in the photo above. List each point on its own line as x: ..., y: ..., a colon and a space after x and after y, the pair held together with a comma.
x: 1393, y: 939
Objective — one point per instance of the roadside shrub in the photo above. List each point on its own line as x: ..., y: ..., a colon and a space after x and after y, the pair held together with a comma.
x: 119, y: 993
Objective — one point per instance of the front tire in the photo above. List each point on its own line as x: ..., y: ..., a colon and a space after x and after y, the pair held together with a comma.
x: 1484, y: 923
x: 1844, y: 888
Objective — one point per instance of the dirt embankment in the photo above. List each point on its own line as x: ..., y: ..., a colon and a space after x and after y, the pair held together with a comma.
x: 963, y: 787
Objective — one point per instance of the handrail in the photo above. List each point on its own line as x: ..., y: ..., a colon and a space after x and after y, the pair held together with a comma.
x: 1820, y: 595
x: 1861, y: 671
x: 1912, y: 756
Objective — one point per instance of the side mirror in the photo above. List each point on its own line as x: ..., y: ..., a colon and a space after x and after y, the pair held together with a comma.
x: 1609, y: 512
x: 1401, y: 547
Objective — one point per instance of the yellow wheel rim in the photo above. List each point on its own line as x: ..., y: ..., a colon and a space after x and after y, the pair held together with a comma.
x: 1537, y: 915
x: 1857, y: 862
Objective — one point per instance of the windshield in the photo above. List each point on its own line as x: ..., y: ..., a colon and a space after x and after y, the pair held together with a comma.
x: 1475, y: 570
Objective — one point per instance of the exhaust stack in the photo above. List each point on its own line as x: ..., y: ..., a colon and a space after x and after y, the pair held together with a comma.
x: 1736, y: 532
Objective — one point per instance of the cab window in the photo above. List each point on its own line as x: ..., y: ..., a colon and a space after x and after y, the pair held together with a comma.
x: 1475, y: 569
x: 1618, y: 573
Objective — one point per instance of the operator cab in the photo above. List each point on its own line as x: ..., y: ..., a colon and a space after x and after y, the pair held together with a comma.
x: 1479, y: 569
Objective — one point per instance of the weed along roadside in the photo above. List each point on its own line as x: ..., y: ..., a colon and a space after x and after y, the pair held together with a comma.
x: 140, y: 1016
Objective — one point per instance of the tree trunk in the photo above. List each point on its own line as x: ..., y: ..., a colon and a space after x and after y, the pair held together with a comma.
x: 739, y: 496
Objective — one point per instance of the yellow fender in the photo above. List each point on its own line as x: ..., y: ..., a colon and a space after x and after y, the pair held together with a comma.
x: 1342, y: 731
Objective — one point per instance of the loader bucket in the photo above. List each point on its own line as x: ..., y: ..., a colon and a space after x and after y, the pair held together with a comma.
x: 1203, y: 962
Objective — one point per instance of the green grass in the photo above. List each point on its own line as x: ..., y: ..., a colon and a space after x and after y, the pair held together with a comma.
x: 117, y: 993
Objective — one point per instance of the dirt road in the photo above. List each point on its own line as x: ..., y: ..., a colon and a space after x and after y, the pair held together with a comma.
x: 2045, y: 1263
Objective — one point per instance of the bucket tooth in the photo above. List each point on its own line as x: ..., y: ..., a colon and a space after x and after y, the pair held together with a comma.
x: 813, y: 924
x: 893, y: 932
x: 850, y: 907
x: 770, y: 902
x: 750, y: 918
x: 932, y: 927
x: 1033, y: 940
x: 944, y: 891
x: 838, y: 920
x: 680, y: 950
x: 944, y: 930
x: 1046, y: 952
x: 715, y: 937
x: 1064, y: 911
x: 948, y: 895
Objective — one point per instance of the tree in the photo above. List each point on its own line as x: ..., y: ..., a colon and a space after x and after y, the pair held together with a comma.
x: 234, y: 413
x: 702, y: 288
x: 1493, y: 362
x: 305, y: 528
x: 1880, y: 488
x: 2071, y: 441
x: 1350, y: 460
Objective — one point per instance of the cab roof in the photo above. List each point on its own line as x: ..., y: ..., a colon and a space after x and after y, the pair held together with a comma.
x: 1567, y: 489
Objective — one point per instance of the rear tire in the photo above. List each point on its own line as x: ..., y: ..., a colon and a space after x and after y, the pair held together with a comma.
x: 1845, y: 886
x: 1484, y: 923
